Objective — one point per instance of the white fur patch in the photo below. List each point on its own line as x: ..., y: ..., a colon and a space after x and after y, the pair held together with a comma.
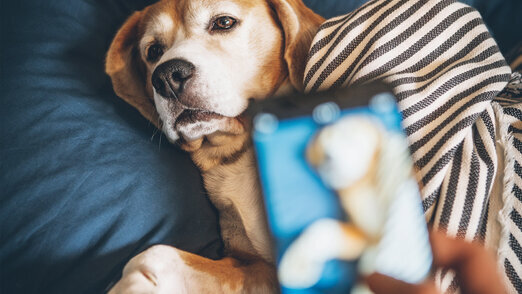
x: 166, y: 115
x: 349, y: 147
x: 164, y: 24
x: 199, y: 129
x: 158, y: 269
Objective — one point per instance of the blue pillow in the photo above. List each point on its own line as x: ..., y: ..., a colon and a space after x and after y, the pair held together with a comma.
x: 504, y: 20
x: 86, y: 182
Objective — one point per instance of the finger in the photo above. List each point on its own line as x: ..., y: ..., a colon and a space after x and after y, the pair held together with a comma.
x: 450, y: 252
x: 381, y: 284
x: 476, y: 268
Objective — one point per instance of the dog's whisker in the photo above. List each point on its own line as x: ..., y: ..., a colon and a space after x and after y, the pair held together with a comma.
x: 158, y: 122
x: 159, y: 142
x: 156, y: 130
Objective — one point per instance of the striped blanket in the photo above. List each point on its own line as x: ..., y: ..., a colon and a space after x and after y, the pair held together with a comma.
x: 465, y: 133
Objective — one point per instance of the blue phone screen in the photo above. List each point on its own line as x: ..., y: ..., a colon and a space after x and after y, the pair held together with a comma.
x: 296, y: 197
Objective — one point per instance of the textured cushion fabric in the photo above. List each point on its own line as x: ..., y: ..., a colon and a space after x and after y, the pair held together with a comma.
x: 86, y: 182
x: 503, y: 20
x: 331, y: 8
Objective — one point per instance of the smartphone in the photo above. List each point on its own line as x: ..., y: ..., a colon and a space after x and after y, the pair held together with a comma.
x: 339, y: 189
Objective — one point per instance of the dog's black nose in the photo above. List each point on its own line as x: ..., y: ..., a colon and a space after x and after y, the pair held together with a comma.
x: 170, y: 77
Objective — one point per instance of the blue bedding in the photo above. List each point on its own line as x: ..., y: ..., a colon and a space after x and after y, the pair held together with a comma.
x: 86, y: 182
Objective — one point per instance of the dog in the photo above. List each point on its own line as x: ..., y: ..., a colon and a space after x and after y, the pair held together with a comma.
x: 190, y: 67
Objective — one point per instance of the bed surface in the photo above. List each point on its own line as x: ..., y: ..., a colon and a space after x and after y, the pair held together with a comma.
x: 86, y: 182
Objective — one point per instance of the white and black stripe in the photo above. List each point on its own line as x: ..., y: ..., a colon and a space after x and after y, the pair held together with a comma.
x: 446, y: 71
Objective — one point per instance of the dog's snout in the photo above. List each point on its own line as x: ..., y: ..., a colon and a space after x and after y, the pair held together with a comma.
x: 170, y: 77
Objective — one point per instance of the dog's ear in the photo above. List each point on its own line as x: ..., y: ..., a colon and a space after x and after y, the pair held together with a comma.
x: 299, y: 24
x: 127, y: 70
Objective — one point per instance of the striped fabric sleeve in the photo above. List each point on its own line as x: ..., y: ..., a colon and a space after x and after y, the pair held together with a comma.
x: 445, y: 70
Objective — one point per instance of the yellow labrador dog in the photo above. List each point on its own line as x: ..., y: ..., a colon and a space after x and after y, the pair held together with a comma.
x: 190, y: 67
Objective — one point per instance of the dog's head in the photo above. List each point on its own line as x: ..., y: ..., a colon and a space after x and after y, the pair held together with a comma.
x: 190, y: 66
x: 346, y: 152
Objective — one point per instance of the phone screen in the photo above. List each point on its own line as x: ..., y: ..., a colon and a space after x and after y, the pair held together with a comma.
x: 340, y: 191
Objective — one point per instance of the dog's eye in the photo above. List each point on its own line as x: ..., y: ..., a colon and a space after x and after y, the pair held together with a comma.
x: 223, y: 23
x: 154, y: 52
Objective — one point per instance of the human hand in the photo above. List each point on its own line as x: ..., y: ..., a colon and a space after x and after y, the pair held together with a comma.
x: 475, y: 267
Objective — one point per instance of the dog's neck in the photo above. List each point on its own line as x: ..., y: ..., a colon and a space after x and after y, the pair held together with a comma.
x: 232, y: 183
x: 235, y: 191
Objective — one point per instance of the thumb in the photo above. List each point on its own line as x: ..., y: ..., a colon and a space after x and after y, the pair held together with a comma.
x: 381, y: 284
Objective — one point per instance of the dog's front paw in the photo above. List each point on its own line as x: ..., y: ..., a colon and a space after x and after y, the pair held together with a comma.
x: 303, y: 262
x: 156, y: 270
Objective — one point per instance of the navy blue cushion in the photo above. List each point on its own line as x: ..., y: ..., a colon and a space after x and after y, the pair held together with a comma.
x: 504, y: 20
x: 86, y: 182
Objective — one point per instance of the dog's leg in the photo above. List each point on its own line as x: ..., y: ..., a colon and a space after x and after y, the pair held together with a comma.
x: 165, y: 269
x: 326, y: 239
x: 234, y: 190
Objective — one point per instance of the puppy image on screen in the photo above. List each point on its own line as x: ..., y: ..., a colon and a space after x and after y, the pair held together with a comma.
x: 190, y: 67
x: 369, y: 168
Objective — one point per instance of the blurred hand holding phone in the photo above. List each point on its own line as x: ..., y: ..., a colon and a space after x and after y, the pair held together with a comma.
x: 340, y: 191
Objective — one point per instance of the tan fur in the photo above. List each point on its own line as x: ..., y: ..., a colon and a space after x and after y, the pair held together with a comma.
x: 299, y: 25
x: 126, y: 70
x: 225, y: 157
